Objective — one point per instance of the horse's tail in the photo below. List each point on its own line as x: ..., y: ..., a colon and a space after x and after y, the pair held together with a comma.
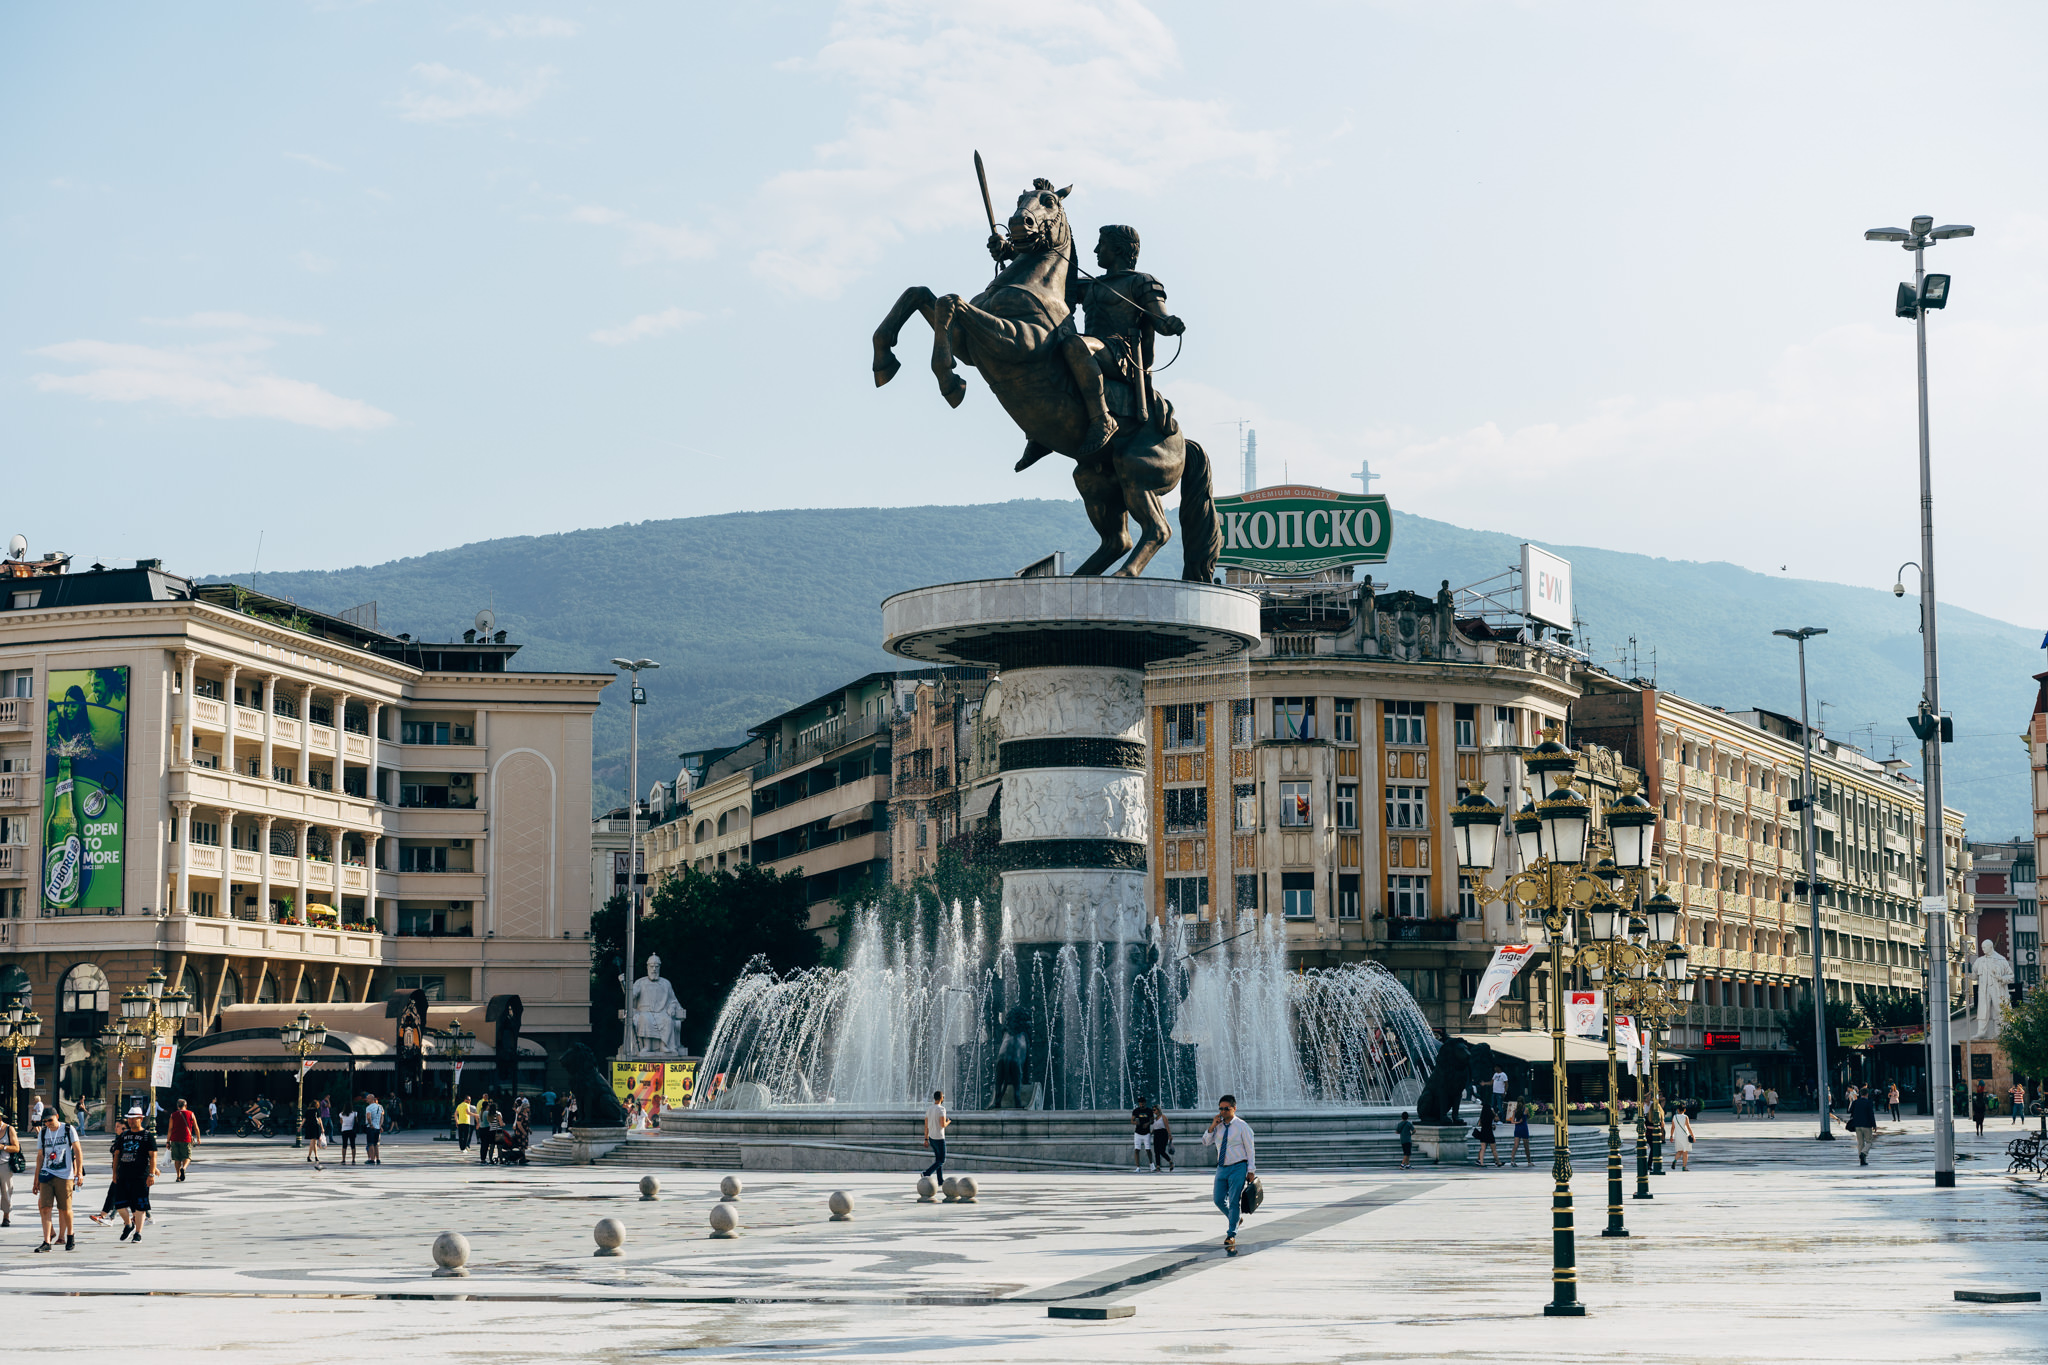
x: 1201, y: 536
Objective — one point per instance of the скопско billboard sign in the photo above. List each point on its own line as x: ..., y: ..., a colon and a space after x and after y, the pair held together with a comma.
x: 85, y: 808
x: 1294, y: 529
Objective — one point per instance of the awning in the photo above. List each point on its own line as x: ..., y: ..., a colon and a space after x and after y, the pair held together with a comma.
x: 974, y: 806
x: 1530, y: 1046
x: 260, y: 1049
x: 872, y: 810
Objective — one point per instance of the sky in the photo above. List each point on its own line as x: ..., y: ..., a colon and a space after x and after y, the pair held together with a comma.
x: 321, y: 284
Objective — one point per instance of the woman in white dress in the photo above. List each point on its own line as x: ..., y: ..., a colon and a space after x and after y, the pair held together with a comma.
x: 1681, y: 1140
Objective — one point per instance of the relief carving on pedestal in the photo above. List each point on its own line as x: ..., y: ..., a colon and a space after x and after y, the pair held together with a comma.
x: 1084, y: 906
x: 1075, y: 803
x: 1058, y: 703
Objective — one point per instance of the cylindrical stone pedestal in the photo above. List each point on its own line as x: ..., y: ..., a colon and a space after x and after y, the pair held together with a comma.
x: 1074, y: 805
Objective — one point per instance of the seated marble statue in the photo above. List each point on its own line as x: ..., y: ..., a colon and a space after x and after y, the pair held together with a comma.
x: 657, y: 1016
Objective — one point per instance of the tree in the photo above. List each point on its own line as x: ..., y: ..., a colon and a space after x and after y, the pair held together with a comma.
x: 2024, y: 1039
x: 1798, y: 1025
x: 607, y: 963
x: 965, y: 871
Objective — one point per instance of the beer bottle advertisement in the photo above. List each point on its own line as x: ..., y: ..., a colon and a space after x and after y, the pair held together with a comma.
x: 85, y: 808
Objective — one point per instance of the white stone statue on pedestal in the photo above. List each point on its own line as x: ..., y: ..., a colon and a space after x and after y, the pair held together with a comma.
x: 657, y: 1016
x: 1993, y: 975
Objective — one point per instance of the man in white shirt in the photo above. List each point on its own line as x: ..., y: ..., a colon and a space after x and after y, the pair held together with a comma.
x: 1500, y: 1093
x: 373, y: 1129
x: 1237, y: 1159
x: 935, y: 1124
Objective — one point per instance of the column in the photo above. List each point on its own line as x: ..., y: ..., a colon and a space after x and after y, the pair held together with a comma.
x: 263, y: 824
x: 188, y: 663
x: 224, y: 896
x: 227, y: 738
x: 375, y: 786
x: 340, y: 742
x: 305, y: 748
x: 370, y: 843
x: 269, y: 724
x: 337, y: 837
x: 184, y: 809
x: 303, y: 828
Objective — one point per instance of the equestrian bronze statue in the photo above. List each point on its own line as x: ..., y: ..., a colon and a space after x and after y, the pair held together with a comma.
x: 1084, y: 393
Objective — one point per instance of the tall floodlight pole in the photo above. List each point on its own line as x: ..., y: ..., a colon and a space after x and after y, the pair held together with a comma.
x: 633, y: 666
x: 1931, y: 291
x: 1812, y: 888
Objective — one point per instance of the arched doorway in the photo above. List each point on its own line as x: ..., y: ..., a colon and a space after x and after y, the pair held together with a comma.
x: 78, y: 1073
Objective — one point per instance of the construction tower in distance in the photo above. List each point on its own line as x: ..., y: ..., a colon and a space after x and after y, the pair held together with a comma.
x: 1251, y: 460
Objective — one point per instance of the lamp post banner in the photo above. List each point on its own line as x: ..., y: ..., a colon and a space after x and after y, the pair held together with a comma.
x: 1500, y: 974
x: 25, y: 1071
x: 1298, y: 529
x: 1625, y: 1036
x: 163, y: 1061
x: 1589, y: 1015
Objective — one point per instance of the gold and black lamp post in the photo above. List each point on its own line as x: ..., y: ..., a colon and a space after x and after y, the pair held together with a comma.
x: 24, y: 1026
x: 455, y: 1043
x: 149, y: 1015
x: 117, y: 1043
x: 302, y: 1038
x: 1554, y: 883
x: 1627, y: 957
x: 1674, y: 989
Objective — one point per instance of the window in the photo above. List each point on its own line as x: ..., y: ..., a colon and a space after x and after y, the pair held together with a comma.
x: 1187, y: 808
x: 423, y: 732
x: 1407, y: 897
x: 1294, y: 805
x: 1347, y: 895
x: 1294, y: 717
x: 1241, y: 722
x: 1298, y: 895
x: 1245, y: 797
x: 1503, y: 727
x: 1407, y: 807
x: 422, y: 859
x: 1468, y: 900
x: 1246, y: 892
x: 206, y: 832
x: 1347, y: 716
x: 1347, y: 805
x: 1187, y: 725
x: 436, y: 987
x: 1403, y: 724
x: 1187, y: 897
x: 11, y: 902
x: 84, y: 991
x: 1419, y: 982
x: 202, y: 902
x: 1467, y: 722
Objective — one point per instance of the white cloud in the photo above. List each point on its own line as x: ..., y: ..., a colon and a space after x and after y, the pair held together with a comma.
x: 240, y: 322
x: 1088, y: 91
x: 645, y: 326
x: 647, y: 241
x: 450, y: 96
x: 313, y: 262
x: 315, y: 162
x: 215, y: 379
x: 520, y: 26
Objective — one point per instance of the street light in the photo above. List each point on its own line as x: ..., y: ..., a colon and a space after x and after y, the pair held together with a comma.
x: 1811, y: 887
x: 23, y: 1028
x: 1927, y: 724
x: 302, y: 1038
x: 639, y: 699
x: 456, y: 1043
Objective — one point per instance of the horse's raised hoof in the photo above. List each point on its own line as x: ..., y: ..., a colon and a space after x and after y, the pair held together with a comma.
x: 1033, y: 453
x: 886, y: 365
x: 953, y: 388
x: 1100, y: 434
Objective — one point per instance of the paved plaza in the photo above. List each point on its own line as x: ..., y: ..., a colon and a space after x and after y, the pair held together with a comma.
x: 1776, y: 1247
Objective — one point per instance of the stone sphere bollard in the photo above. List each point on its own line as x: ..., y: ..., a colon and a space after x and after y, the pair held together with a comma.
x: 610, y: 1235
x: 841, y: 1204
x: 451, y: 1255
x: 927, y: 1190
x: 952, y: 1189
x: 968, y: 1189
x: 729, y: 1188
x: 725, y: 1221
x: 650, y: 1188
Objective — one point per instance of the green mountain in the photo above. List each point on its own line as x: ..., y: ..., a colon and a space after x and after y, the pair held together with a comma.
x: 751, y: 613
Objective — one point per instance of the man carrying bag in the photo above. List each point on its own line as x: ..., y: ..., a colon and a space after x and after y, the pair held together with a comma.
x: 60, y: 1170
x: 1236, y: 1163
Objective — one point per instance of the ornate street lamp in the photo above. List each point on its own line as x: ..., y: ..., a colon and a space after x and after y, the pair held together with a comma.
x: 23, y: 1028
x: 302, y: 1038
x: 456, y: 1043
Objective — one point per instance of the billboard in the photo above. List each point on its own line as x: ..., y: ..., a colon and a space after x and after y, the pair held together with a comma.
x: 1295, y: 529
x: 85, y: 806
x: 1546, y: 587
x: 668, y: 1082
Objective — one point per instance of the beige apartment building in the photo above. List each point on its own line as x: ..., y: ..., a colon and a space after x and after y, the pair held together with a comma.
x: 271, y: 804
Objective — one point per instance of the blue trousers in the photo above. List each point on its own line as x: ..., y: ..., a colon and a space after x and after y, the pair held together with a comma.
x: 1229, y: 1185
x: 938, y: 1166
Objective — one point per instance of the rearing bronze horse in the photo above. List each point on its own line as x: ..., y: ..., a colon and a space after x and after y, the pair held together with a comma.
x: 1008, y: 332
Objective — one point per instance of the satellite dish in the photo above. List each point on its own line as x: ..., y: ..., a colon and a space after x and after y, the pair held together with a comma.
x: 485, y: 621
x: 17, y: 548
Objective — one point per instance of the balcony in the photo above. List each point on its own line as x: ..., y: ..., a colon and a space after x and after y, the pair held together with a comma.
x: 14, y: 860
x: 819, y: 740
x: 241, y: 792
x: 20, y: 789
x: 16, y: 713
x: 1422, y: 931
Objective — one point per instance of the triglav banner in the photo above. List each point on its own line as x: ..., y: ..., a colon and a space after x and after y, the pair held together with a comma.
x: 85, y: 808
x: 1499, y: 975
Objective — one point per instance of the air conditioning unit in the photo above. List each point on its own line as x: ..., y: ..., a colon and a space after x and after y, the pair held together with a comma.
x: 465, y: 734
x: 458, y: 843
x: 459, y: 780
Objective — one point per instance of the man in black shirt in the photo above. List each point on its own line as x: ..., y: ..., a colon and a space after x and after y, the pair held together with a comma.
x: 1862, y: 1121
x: 1141, y: 1133
x: 134, y: 1152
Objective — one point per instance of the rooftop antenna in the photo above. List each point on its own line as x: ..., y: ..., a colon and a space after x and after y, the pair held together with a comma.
x: 17, y: 548
x: 259, y: 554
x: 1822, y: 708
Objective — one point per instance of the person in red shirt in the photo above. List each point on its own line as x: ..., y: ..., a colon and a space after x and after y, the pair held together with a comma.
x: 184, y: 1137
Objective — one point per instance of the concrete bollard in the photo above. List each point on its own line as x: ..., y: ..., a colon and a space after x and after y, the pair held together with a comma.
x: 610, y: 1235
x: 969, y: 1190
x: 952, y: 1189
x: 451, y: 1255
x: 841, y: 1204
x: 650, y: 1188
x: 725, y: 1221
x: 927, y: 1190
x: 729, y: 1189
